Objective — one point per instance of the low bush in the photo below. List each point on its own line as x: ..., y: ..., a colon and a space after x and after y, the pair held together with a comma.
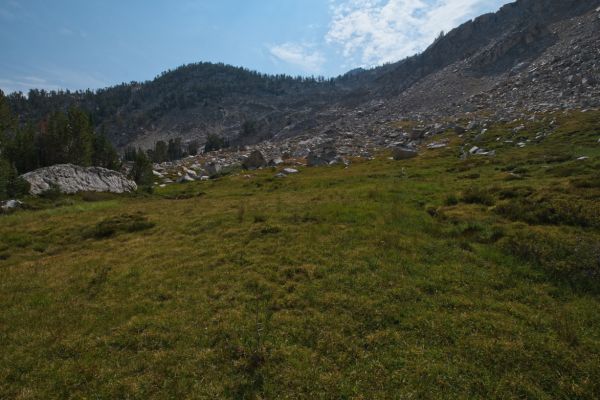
x: 515, y: 192
x: 586, y: 182
x: 549, y: 210
x: 478, y: 195
x: 451, y: 200
x: 125, y: 223
x: 52, y: 193
x: 96, y: 196
x: 574, y: 258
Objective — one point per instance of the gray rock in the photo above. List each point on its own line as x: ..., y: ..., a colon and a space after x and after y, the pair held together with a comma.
x: 437, y: 145
x: 289, y: 171
x: 275, y: 161
x: 255, y: 160
x: 213, y: 168
x: 417, y: 133
x: 459, y: 130
x: 70, y: 179
x: 403, y: 153
x: 10, y: 205
x: 473, y: 125
x: 315, y: 160
x: 185, y: 179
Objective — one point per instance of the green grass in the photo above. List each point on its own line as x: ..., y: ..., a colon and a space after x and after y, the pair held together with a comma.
x: 428, y: 278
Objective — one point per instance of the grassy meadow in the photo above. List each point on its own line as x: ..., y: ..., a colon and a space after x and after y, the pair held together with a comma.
x: 429, y: 278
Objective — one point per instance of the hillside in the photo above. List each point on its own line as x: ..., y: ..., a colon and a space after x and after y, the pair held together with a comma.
x: 532, y: 55
x: 435, y: 277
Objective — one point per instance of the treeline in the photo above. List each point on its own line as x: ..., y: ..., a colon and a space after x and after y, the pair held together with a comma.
x: 163, y: 151
x: 129, y: 106
x: 59, y: 138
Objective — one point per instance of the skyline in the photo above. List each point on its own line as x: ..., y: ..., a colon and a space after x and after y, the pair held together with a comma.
x: 70, y: 45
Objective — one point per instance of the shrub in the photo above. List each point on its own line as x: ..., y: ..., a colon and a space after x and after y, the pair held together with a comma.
x: 574, y: 258
x: 125, y: 223
x: 514, y: 192
x: 51, y: 193
x: 552, y: 211
x: 587, y: 182
x: 215, y: 142
x: 451, y: 200
x: 11, y: 185
x: 477, y: 195
x: 96, y: 196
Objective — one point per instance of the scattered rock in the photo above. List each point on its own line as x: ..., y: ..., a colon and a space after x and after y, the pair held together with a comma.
x: 459, y: 130
x: 477, y: 151
x: 289, y: 171
x: 403, y: 153
x: 275, y: 161
x: 437, y: 145
x: 10, y: 205
x: 185, y: 179
x: 213, y: 169
x: 315, y: 160
x: 255, y: 160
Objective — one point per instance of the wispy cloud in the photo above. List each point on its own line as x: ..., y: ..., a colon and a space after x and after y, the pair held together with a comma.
x: 24, y: 83
x: 371, y: 32
x: 51, y: 78
x: 303, y: 56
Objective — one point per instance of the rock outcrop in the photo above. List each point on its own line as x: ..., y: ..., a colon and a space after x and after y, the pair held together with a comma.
x: 9, y: 206
x: 255, y: 160
x: 403, y: 153
x: 71, y: 179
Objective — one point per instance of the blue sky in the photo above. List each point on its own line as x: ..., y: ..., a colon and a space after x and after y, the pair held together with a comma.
x: 79, y: 44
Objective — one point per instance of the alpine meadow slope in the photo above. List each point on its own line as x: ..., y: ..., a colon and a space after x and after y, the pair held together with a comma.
x: 433, y: 277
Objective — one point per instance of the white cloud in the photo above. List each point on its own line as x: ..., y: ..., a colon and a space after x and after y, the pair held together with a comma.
x: 300, y: 55
x: 371, y: 32
x: 24, y: 83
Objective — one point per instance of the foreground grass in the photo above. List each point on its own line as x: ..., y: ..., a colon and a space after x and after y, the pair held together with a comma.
x: 429, y: 278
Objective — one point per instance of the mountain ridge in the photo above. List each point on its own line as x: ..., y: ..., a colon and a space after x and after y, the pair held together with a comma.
x: 196, y: 100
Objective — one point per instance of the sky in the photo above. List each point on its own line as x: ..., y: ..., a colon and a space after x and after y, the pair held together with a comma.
x: 81, y: 44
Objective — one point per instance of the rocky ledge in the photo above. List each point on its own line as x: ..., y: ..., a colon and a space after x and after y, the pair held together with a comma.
x: 71, y: 179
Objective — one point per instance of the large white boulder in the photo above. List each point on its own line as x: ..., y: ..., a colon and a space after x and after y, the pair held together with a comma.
x: 70, y: 179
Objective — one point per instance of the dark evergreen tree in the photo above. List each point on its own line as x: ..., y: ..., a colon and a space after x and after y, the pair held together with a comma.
x: 174, y: 149
x: 130, y: 154
x: 192, y: 148
x: 215, y: 142
x: 141, y: 171
x: 103, y: 153
x: 53, y: 139
x: 11, y: 185
x: 160, y: 152
x: 22, y: 150
x: 79, y: 138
